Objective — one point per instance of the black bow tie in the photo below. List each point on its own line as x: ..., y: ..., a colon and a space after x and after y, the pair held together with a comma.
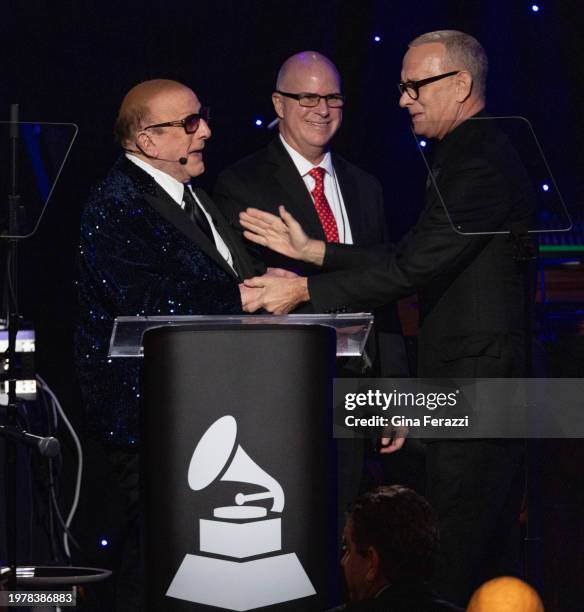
x: 196, y: 215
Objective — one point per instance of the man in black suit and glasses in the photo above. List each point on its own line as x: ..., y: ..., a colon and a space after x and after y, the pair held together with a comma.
x: 470, y: 290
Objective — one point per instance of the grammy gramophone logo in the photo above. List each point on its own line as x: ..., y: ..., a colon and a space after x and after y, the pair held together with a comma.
x: 225, y: 576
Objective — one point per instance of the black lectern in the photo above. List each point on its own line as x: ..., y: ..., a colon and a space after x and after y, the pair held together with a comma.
x: 238, y: 467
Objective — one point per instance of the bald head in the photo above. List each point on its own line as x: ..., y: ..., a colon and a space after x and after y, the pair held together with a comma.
x: 303, y: 66
x: 151, y: 125
x: 136, y: 106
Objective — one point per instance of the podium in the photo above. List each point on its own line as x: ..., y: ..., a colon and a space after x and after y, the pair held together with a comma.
x: 238, y: 463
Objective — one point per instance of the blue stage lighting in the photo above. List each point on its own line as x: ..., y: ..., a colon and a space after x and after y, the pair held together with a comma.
x: 545, y: 187
x: 423, y: 143
x: 377, y: 38
x: 259, y: 122
x: 103, y: 542
x: 535, y: 8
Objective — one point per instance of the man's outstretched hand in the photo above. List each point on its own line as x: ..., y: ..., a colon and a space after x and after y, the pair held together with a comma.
x: 282, y: 234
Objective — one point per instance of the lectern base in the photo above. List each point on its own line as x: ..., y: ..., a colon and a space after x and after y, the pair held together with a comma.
x: 240, y: 586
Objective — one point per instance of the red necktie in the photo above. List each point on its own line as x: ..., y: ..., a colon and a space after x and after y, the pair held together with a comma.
x: 325, y: 214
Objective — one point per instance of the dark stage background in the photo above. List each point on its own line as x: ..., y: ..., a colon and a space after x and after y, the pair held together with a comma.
x: 73, y: 61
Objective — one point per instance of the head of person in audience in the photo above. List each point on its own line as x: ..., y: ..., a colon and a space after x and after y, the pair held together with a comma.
x: 390, y: 535
x: 309, y: 103
x: 505, y: 594
x: 163, y: 123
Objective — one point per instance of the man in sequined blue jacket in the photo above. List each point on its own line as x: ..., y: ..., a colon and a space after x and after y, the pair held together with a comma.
x: 142, y: 253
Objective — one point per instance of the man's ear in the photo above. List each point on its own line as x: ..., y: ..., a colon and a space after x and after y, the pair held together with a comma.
x: 374, y: 564
x: 463, y: 85
x: 146, y: 144
x: 278, y: 105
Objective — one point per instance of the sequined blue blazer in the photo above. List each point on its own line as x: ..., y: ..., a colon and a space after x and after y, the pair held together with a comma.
x: 141, y: 255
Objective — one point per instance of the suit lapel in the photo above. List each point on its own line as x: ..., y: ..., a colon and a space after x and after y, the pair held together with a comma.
x: 299, y: 202
x: 434, y: 172
x: 167, y: 208
x: 297, y: 199
x: 351, y: 198
x: 241, y: 259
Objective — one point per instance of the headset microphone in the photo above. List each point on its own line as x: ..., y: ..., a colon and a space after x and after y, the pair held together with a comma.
x: 183, y: 161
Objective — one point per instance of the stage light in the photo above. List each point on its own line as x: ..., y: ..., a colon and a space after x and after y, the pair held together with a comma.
x: 377, y: 38
x: 545, y: 187
x: 103, y: 543
x: 535, y: 8
x: 423, y: 143
x: 259, y: 122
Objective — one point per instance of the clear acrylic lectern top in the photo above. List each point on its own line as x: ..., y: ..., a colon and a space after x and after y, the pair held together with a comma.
x: 352, y: 329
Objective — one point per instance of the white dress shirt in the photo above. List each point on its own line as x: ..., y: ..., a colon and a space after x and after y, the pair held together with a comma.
x: 332, y: 191
x: 175, y: 190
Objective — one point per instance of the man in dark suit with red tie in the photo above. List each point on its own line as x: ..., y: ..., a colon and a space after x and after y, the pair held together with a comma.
x: 334, y: 200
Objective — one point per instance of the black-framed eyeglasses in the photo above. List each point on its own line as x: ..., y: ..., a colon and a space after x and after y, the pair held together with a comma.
x: 190, y: 124
x: 412, y: 88
x: 310, y: 100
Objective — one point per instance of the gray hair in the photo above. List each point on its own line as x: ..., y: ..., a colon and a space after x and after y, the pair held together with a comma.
x: 462, y: 50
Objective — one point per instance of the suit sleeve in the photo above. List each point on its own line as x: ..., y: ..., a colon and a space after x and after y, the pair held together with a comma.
x: 343, y: 256
x: 475, y: 196
x: 124, y: 266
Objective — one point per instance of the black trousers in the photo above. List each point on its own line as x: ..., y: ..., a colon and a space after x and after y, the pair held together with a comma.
x: 128, y: 574
x: 476, y: 488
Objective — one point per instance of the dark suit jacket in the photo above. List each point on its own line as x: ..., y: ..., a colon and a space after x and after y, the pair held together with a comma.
x: 407, y: 597
x: 141, y: 255
x: 269, y: 178
x: 470, y: 288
